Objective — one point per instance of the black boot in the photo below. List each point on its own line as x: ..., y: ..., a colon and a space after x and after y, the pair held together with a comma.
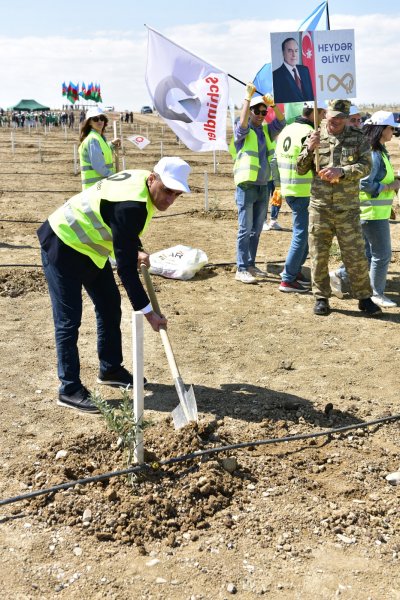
x: 369, y: 307
x: 322, y: 307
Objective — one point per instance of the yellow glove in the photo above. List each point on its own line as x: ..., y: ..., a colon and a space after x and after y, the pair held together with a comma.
x: 268, y: 100
x: 250, y: 89
x: 276, y: 199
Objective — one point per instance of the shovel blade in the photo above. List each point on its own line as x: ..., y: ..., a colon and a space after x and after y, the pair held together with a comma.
x: 179, y: 417
x: 186, y: 411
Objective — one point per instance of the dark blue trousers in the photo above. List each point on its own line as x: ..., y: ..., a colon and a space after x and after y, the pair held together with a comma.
x: 66, y: 299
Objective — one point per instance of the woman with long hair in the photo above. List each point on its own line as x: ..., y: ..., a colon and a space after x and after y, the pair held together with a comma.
x: 95, y: 153
x: 376, y: 197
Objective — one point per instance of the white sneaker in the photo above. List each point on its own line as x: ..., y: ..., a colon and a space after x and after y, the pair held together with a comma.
x: 381, y: 300
x: 336, y: 284
x: 245, y: 277
x: 275, y: 225
x: 266, y: 226
x: 256, y: 272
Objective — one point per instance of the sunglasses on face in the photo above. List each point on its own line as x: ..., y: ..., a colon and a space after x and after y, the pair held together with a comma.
x: 257, y: 112
x: 100, y: 118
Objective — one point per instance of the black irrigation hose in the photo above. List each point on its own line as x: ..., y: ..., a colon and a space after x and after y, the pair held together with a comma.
x: 19, y: 221
x: 166, y: 216
x: 39, y: 191
x: 208, y: 265
x: 193, y: 455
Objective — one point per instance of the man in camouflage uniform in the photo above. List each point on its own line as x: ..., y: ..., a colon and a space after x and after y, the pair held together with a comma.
x: 344, y: 158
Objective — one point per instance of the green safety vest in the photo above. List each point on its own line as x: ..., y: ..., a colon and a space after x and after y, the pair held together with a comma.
x: 374, y: 209
x: 79, y: 224
x: 288, y: 148
x: 88, y: 175
x: 270, y: 154
x: 247, y: 163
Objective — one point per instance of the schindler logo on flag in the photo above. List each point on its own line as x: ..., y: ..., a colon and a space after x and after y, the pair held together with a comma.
x: 189, y: 94
x: 139, y: 140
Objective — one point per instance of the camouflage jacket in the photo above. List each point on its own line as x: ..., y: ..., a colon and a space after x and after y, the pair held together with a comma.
x: 349, y: 150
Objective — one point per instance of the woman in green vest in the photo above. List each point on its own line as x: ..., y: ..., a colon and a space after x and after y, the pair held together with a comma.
x: 376, y: 197
x: 95, y: 153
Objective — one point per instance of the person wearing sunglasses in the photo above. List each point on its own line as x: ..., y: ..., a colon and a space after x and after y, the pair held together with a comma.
x: 252, y: 147
x: 95, y: 153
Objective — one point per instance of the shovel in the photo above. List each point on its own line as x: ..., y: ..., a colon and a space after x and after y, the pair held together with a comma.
x: 186, y: 410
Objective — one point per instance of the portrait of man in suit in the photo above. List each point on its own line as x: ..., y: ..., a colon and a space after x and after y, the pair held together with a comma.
x: 292, y: 81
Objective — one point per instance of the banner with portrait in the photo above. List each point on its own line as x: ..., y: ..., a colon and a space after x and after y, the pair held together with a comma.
x: 308, y: 65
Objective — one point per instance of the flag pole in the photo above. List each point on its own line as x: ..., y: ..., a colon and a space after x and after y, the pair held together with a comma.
x: 328, y: 23
x: 242, y: 82
x: 328, y: 26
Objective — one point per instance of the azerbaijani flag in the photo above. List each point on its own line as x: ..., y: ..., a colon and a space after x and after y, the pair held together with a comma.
x: 263, y: 79
x: 307, y: 50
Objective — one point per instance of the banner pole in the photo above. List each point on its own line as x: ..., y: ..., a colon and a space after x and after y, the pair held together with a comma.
x: 242, y: 82
x: 316, y: 151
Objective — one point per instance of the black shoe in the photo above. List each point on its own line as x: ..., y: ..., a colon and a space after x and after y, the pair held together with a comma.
x: 369, y: 307
x: 118, y: 377
x: 80, y: 400
x: 321, y: 307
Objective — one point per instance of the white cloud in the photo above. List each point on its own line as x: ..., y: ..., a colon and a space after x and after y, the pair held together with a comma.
x: 36, y: 67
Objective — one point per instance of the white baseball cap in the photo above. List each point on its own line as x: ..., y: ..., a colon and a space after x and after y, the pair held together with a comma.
x: 382, y: 117
x: 94, y: 112
x: 257, y: 100
x: 173, y: 172
x: 320, y: 104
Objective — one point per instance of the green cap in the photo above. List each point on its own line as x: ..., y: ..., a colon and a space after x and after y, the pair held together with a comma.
x: 338, y: 108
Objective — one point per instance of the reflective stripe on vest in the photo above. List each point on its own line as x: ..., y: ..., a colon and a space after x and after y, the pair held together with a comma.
x: 287, y: 150
x: 271, y: 153
x: 247, y: 163
x: 373, y: 209
x: 79, y: 224
x: 88, y: 175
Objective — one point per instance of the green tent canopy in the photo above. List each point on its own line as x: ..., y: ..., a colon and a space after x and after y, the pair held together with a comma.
x: 29, y: 105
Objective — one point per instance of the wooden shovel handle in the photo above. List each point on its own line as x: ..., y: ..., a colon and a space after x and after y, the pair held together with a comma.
x: 163, y: 332
x: 150, y: 289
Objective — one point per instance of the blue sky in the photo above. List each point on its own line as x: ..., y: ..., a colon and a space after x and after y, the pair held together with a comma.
x: 41, y: 45
x: 23, y: 17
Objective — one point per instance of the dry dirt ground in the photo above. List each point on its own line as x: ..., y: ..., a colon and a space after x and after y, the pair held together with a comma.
x: 309, y: 518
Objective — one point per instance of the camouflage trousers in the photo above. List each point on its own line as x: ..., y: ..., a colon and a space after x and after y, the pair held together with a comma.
x: 324, y: 224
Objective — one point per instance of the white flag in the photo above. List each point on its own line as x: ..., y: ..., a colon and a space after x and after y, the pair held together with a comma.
x: 189, y: 94
x: 139, y: 140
